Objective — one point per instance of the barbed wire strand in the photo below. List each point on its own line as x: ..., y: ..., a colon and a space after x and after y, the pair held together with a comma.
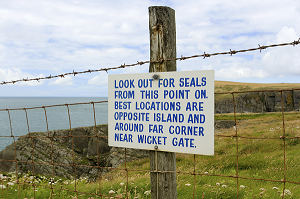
x: 204, y: 55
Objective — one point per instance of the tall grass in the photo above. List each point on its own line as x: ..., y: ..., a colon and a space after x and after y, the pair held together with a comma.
x: 260, y: 159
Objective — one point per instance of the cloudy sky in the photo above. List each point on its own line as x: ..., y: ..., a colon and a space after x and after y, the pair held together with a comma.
x: 39, y: 38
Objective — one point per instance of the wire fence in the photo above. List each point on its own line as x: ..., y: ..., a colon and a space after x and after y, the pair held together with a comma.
x: 237, y: 135
x: 205, y: 181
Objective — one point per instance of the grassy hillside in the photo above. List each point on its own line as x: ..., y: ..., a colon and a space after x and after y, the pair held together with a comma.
x: 258, y: 159
x: 226, y: 86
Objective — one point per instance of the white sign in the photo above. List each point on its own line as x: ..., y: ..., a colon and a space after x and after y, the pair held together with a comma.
x: 170, y: 111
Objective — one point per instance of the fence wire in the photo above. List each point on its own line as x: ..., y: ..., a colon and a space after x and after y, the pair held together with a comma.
x: 204, y: 55
x: 54, y: 190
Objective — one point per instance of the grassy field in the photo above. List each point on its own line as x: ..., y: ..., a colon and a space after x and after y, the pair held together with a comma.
x: 257, y: 158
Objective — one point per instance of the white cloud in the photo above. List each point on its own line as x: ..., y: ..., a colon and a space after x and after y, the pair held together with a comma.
x: 286, y: 34
x: 65, y: 81
x: 239, y: 72
x: 59, y: 36
x: 100, y: 79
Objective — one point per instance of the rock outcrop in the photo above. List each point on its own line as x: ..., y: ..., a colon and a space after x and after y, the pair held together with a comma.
x: 258, y: 102
x: 57, y: 152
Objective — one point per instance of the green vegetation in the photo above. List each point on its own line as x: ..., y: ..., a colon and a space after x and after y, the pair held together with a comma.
x: 226, y: 86
x: 273, y: 116
x: 215, y: 175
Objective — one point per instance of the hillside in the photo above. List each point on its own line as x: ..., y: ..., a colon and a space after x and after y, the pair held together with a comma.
x: 227, y: 86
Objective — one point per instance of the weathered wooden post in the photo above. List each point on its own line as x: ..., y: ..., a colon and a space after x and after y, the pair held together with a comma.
x: 162, y: 46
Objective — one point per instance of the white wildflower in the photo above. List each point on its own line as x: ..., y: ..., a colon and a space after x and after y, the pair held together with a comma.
x: 261, y: 193
x: 218, y: 184
x: 275, y: 188
x: 188, y: 185
x: 224, y: 186
x: 2, y: 186
x: 111, y: 192
x: 242, y: 186
x: 10, y: 183
x: 147, y: 192
x: 121, y: 184
x: 287, y: 192
x: 206, y: 172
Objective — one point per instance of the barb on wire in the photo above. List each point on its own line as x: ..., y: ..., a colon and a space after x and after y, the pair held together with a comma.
x: 231, y: 52
x: 182, y: 58
x: 296, y: 42
x: 205, y: 55
x: 261, y: 48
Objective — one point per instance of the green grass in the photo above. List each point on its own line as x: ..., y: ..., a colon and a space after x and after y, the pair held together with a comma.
x: 257, y: 159
x: 225, y: 86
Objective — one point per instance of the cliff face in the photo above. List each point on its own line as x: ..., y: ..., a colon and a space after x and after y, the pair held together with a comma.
x: 85, y: 153
x: 258, y: 102
x: 57, y: 148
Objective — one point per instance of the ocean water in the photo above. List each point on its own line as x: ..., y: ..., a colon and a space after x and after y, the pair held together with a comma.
x: 57, y: 117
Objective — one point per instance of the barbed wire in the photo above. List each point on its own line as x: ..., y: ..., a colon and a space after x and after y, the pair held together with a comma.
x: 204, y: 55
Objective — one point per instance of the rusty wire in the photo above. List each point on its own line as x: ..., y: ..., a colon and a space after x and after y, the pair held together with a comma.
x: 32, y: 160
x: 237, y: 148
x: 204, y: 55
x: 284, y: 147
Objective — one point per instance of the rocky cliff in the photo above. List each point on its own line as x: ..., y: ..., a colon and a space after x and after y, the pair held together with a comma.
x: 57, y: 148
x: 57, y: 152
x: 257, y: 102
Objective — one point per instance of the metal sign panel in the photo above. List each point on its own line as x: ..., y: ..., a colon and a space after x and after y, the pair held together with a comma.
x: 167, y: 111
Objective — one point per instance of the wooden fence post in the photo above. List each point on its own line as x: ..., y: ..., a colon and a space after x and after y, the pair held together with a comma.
x: 162, y: 46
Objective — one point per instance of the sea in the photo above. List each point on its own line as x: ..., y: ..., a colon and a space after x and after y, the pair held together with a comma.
x: 15, y: 122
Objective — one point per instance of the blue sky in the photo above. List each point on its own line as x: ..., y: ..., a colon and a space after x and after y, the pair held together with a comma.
x: 39, y: 38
